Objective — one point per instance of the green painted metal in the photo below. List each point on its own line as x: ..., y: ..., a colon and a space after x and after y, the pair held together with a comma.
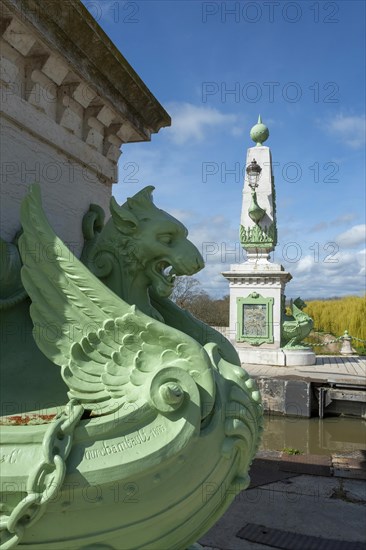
x: 255, y: 319
x: 258, y: 237
x: 11, y: 288
x: 259, y: 133
x: 162, y: 423
x: 296, y: 327
x: 255, y: 212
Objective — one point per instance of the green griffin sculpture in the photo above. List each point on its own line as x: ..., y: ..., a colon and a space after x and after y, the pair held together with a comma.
x: 160, y: 423
x: 297, y: 327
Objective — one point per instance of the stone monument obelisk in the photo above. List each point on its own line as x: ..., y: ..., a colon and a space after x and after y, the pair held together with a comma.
x: 257, y: 299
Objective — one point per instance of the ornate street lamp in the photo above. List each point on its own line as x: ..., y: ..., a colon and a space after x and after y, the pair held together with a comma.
x: 254, y: 172
x: 256, y: 213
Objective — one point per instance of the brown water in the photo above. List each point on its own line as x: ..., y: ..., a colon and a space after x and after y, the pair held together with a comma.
x: 314, y: 436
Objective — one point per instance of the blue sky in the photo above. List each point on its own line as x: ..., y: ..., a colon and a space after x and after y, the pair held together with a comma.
x: 301, y: 66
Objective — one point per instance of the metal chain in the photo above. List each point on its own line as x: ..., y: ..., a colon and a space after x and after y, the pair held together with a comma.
x: 46, y: 479
x: 358, y: 339
x: 325, y: 344
x: 340, y: 338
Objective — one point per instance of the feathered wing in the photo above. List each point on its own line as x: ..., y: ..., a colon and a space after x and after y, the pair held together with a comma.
x: 107, y: 349
x: 291, y: 328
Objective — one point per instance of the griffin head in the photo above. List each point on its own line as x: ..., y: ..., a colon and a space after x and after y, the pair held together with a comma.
x: 157, y: 242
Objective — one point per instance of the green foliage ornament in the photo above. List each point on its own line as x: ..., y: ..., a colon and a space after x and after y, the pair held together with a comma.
x: 162, y: 423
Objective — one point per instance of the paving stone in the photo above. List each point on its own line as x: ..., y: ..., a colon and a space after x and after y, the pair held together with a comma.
x: 265, y: 471
x: 355, y: 489
x: 319, y: 465
x: 287, y: 540
x: 349, y: 468
x: 319, y: 487
x: 318, y: 516
x: 298, y: 503
x: 304, y: 485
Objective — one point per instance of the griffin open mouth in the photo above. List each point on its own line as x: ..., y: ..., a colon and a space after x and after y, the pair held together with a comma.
x: 165, y: 271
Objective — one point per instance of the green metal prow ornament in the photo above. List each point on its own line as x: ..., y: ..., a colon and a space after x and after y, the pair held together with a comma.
x: 161, y: 423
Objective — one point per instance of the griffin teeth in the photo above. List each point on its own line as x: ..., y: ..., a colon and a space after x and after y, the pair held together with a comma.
x: 167, y: 271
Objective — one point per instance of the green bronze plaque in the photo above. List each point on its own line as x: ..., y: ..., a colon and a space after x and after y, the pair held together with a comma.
x: 255, y: 319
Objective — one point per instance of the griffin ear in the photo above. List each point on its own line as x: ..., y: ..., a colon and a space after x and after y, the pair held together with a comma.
x: 123, y: 218
x: 143, y: 200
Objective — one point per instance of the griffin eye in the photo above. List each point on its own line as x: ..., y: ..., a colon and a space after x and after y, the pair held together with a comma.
x: 166, y: 239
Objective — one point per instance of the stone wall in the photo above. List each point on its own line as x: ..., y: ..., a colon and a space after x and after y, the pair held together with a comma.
x: 69, y: 101
x: 68, y: 187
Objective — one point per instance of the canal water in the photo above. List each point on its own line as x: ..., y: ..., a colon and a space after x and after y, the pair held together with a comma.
x: 314, y: 436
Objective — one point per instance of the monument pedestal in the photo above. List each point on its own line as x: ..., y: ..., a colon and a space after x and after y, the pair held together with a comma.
x: 260, y: 356
x: 256, y: 305
x: 299, y: 357
x: 256, y: 314
x: 276, y: 357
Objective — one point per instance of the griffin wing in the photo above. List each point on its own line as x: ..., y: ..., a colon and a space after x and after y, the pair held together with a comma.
x: 107, y: 350
x: 291, y: 328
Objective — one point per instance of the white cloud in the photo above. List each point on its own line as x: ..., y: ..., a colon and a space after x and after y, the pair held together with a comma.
x: 353, y: 237
x: 305, y: 264
x: 348, y: 129
x: 192, y: 122
x: 313, y: 276
x: 182, y: 215
x: 238, y: 131
x: 217, y: 241
x: 341, y: 274
x: 344, y: 218
x: 318, y: 227
x: 362, y: 259
x: 340, y: 220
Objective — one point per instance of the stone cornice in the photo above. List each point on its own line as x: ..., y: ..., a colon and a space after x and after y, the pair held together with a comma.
x: 69, y: 28
x: 262, y: 283
x: 60, y: 67
x: 263, y: 279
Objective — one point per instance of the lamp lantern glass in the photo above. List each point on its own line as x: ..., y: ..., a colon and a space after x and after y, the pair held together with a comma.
x: 253, y: 172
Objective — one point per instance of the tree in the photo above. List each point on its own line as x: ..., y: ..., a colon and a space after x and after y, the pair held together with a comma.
x: 186, y: 291
x: 189, y: 295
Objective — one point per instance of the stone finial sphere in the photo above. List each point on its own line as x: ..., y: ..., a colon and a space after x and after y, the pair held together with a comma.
x: 259, y: 133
